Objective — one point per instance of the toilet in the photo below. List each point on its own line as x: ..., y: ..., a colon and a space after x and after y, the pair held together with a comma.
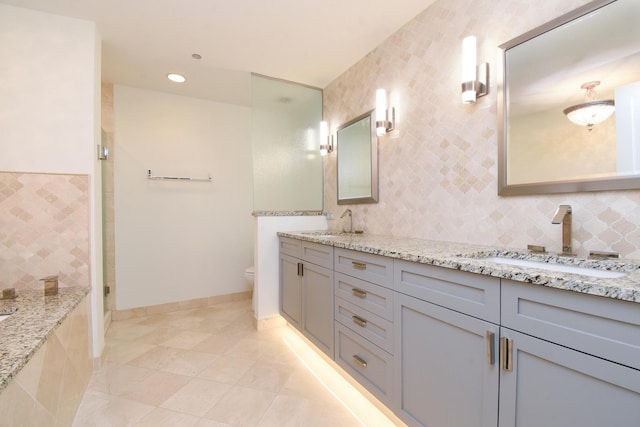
x: 249, y: 278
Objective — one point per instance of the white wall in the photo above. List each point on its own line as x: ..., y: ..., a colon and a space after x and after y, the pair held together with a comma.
x: 178, y: 241
x: 49, y: 113
x: 47, y: 97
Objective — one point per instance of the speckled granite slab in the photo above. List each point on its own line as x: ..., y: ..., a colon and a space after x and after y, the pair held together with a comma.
x: 287, y: 213
x: 469, y: 258
x: 34, y: 318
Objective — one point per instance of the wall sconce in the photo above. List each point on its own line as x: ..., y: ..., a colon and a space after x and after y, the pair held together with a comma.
x: 326, y: 140
x: 475, y: 79
x: 385, y: 117
x: 591, y: 111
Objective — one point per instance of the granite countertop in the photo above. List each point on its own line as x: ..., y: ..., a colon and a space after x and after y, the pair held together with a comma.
x: 33, y: 320
x: 287, y: 213
x: 466, y: 257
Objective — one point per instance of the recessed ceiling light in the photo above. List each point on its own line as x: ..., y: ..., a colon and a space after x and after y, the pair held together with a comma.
x: 178, y: 78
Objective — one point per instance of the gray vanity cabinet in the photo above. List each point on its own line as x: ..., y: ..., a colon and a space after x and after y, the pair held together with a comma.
x: 446, y: 362
x: 306, y: 290
x: 569, y: 359
x: 291, y: 290
x: 364, y: 320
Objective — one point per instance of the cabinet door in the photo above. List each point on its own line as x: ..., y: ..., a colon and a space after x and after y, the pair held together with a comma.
x: 291, y: 290
x: 446, y: 370
x: 554, y: 386
x: 317, y: 310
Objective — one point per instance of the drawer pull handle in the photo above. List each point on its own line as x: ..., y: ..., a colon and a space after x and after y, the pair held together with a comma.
x: 506, y: 354
x: 491, y: 337
x: 359, y: 321
x: 359, y: 265
x: 359, y: 293
x: 360, y: 361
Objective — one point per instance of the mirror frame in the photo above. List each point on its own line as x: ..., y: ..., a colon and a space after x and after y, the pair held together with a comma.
x: 373, y: 140
x: 551, y: 187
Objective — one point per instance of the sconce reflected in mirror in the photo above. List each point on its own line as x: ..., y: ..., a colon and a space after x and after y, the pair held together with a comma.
x: 385, y: 117
x: 326, y: 140
x: 475, y: 78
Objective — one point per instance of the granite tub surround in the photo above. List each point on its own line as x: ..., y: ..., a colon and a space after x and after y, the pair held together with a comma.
x: 471, y: 258
x: 35, y: 318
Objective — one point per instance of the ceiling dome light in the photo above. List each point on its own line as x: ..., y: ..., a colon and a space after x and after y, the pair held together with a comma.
x: 591, y: 111
x: 178, y: 78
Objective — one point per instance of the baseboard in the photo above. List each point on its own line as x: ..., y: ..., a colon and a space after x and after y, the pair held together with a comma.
x: 178, y: 305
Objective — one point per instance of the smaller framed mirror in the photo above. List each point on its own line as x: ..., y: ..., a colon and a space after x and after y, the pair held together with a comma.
x: 358, y: 161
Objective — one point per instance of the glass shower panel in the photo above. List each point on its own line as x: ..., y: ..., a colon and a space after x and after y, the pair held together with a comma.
x: 287, y: 166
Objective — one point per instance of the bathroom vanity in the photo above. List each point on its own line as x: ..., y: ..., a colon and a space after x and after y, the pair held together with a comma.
x: 447, y: 334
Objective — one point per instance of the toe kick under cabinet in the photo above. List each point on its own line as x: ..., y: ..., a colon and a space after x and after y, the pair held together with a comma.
x: 442, y: 347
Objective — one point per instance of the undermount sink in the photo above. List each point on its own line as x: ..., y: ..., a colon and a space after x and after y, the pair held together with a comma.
x: 552, y: 266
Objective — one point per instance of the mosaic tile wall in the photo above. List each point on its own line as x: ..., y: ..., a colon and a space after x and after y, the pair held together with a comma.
x: 438, y: 172
x: 44, y: 229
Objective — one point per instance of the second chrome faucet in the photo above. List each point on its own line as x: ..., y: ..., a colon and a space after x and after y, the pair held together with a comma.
x: 563, y: 216
x: 345, y: 213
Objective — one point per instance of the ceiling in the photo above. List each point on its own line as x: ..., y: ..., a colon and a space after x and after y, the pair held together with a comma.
x: 305, y: 41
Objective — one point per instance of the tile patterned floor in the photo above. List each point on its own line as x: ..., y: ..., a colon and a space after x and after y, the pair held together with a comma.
x: 209, y: 367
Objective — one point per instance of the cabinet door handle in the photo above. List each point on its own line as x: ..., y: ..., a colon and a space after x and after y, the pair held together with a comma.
x: 359, y: 293
x: 300, y: 269
x: 359, y: 321
x: 491, y: 338
x: 506, y: 354
x: 359, y: 360
x: 359, y: 265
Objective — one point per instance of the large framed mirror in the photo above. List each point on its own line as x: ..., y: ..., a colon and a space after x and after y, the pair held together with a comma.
x: 358, y: 161
x: 545, y: 76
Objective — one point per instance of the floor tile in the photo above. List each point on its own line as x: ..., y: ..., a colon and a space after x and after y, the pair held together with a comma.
x: 197, y: 397
x: 209, y: 367
x: 160, y: 417
x: 241, y: 407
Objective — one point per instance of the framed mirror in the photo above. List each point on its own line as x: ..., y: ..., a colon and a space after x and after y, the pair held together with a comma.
x: 589, y: 57
x: 358, y: 161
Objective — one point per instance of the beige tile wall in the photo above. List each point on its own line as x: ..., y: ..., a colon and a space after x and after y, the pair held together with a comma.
x: 438, y: 173
x: 44, y: 229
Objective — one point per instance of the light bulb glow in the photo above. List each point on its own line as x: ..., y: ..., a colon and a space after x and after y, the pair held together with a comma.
x: 381, y: 112
x: 469, y: 59
x: 178, y: 78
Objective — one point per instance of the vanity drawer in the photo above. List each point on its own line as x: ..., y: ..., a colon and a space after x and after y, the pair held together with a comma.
x: 318, y: 254
x: 368, y: 364
x: 373, y: 268
x: 373, y: 298
x: 291, y: 247
x: 600, y: 326
x: 468, y: 293
x: 374, y: 328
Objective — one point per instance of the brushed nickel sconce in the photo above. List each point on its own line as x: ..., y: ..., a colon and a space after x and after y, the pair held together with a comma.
x: 475, y: 78
x: 326, y: 140
x: 385, y: 117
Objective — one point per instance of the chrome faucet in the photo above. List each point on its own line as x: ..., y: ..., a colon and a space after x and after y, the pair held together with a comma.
x: 348, y: 212
x: 563, y: 215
